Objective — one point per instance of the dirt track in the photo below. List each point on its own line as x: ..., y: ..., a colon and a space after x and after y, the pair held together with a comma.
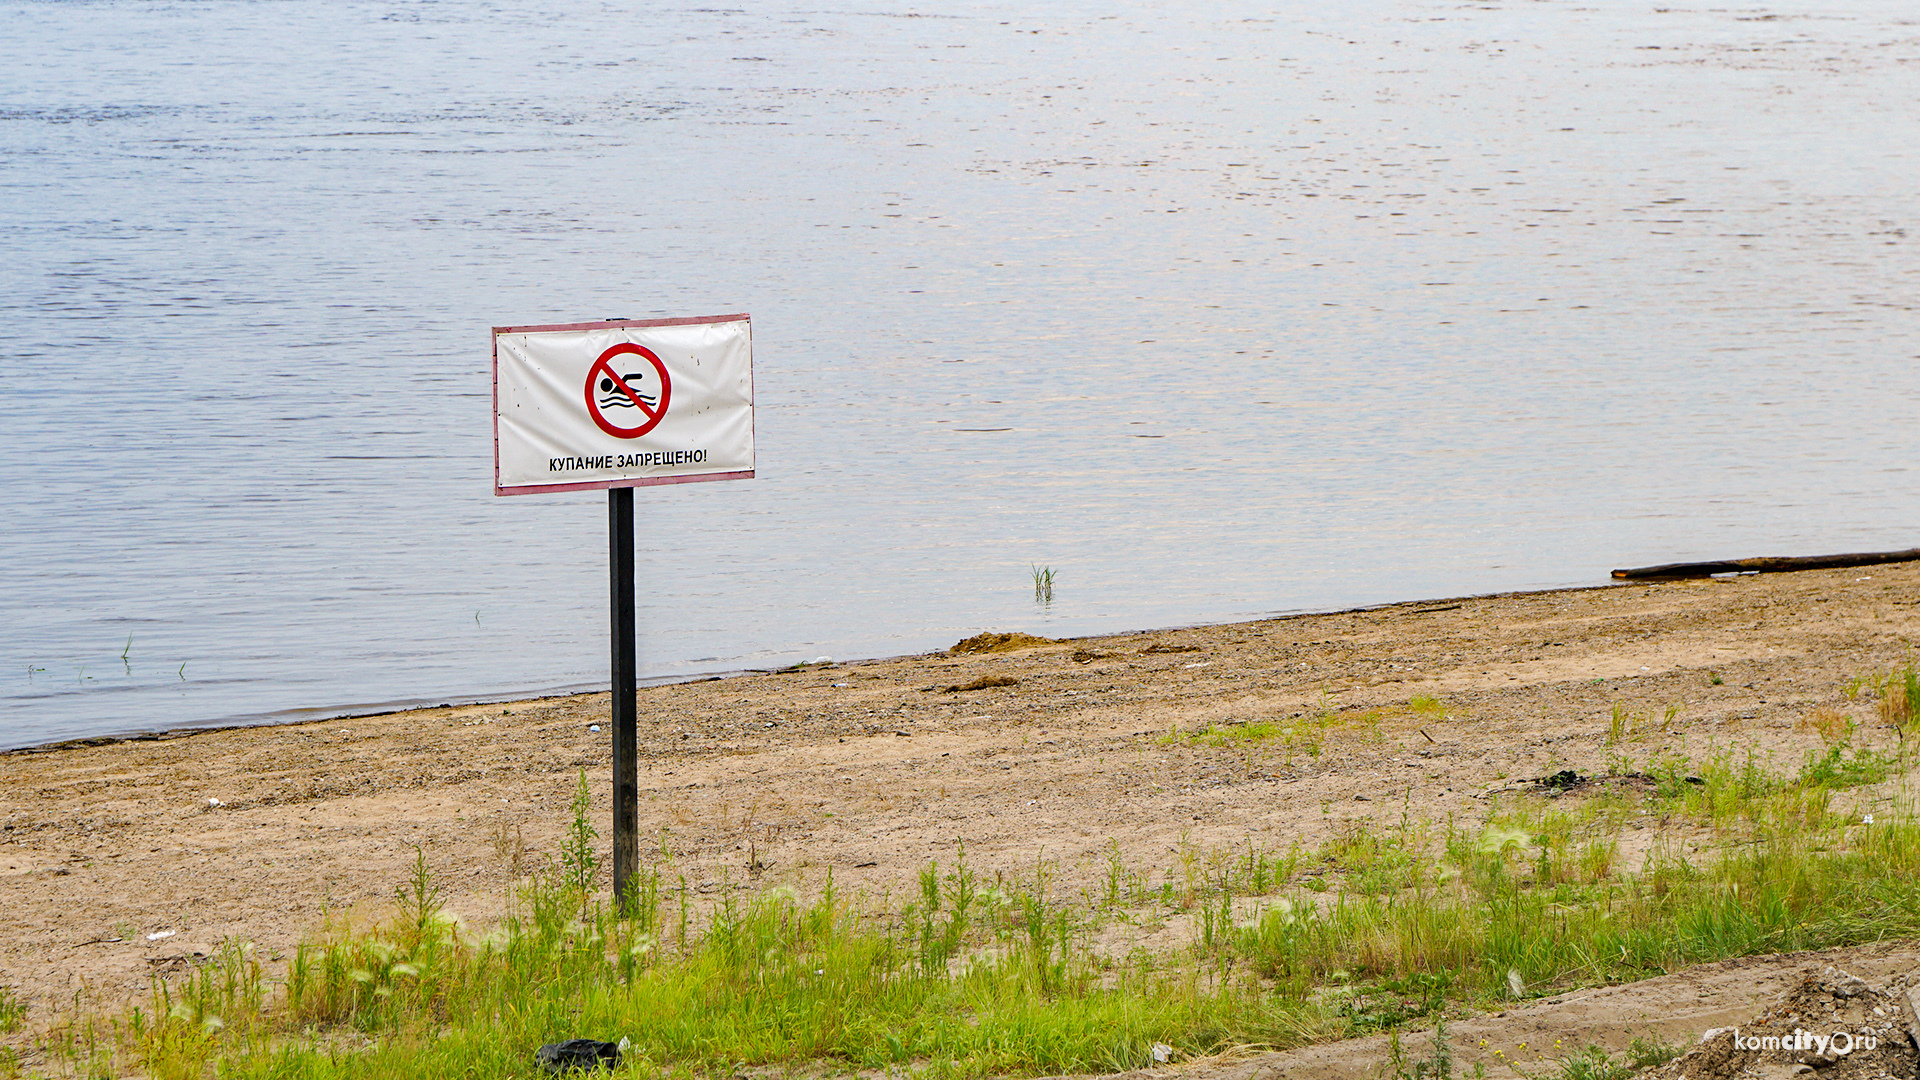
x: 874, y: 768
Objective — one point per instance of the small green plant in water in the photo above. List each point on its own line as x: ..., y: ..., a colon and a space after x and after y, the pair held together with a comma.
x: 1043, y: 584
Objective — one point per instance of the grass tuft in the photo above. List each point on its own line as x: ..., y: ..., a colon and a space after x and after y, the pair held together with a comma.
x: 1900, y: 700
x: 12, y: 1010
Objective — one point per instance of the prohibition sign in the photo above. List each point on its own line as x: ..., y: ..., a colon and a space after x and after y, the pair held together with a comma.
x: 608, y: 388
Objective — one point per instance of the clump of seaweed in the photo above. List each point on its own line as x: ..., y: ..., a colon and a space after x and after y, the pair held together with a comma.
x: 991, y: 643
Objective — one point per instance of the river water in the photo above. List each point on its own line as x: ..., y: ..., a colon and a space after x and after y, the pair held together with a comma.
x: 1215, y: 309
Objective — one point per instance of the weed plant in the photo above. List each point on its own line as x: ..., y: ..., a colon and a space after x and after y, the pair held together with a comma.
x: 1595, y: 1063
x: 579, y: 857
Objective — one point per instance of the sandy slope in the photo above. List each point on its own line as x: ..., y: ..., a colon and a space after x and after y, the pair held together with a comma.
x: 874, y: 768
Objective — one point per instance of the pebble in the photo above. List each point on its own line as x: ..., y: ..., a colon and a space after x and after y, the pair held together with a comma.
x: 1851, y: 986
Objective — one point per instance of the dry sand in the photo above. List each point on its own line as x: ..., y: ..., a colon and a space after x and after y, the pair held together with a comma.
x: 874, y: 768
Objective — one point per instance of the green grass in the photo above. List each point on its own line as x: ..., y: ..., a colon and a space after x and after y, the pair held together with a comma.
x: 1306, y: 733
x: 1379, y: 928
x: 1595, y: 1063
x: 1835, y: 770
x: 1221, y: 735
x: 1297, y: 735
x: 967, y: 981
x: 1636, y: 727
x: 1751, y: 862
x: 1900, y: 701
x: 1898, y: 692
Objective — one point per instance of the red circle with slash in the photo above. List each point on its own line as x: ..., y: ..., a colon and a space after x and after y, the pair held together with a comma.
x: 607, y: 388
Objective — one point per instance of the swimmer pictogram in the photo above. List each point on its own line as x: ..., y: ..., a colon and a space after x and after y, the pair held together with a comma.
x: 615, y: 385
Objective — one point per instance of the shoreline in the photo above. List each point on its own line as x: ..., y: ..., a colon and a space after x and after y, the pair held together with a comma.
x: 266, y: 720
x: 1069, y: 755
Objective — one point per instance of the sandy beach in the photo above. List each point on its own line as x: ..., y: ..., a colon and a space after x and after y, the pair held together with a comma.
x: 130, y: 858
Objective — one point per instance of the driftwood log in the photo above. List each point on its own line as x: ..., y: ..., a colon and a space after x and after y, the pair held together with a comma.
x: 1770, y: 564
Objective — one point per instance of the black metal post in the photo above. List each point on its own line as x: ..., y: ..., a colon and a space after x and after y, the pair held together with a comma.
x: 626, y: 778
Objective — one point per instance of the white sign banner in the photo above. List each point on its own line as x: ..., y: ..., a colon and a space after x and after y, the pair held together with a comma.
x: 622, y: 403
